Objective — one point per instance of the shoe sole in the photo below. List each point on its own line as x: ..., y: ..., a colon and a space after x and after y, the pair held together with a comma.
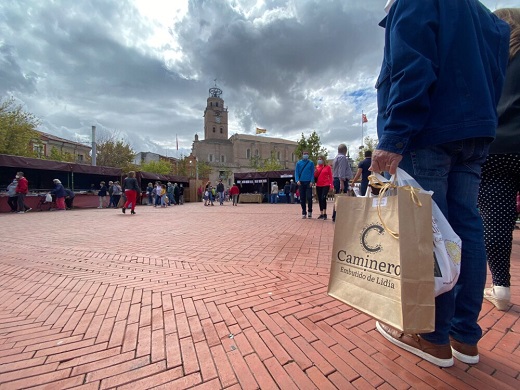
x: 415, y: 351
x: 465, y: 358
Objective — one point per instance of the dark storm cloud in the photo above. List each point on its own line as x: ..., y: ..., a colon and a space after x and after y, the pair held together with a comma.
x: 267, y: 68
x: 282, y: 65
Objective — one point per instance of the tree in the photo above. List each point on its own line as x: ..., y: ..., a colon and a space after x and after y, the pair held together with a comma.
x: 162, y: 167
x: 57, y: 155
x: 312, y: 145
x: 114, y: 153
x: 266, y: 165
x: 204, y: 169
x: 17, y: 129
x: 369, y: 144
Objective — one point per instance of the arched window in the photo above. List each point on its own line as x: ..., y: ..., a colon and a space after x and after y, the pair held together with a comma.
x: 213, y: 129
x: 278, y: 155
x: 292, y: 157
x: 248, y: 153
x: 256, y: 153
x: 222, y: 158
x: 221, y: 131
x: 216, y: 104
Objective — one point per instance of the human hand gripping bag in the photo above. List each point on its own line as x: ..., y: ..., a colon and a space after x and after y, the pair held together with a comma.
x: 382, y: 257
x: 447, y: 244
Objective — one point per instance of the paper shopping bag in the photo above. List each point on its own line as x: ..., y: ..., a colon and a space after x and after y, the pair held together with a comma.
x: 447, y: 245
x: 388, y: 278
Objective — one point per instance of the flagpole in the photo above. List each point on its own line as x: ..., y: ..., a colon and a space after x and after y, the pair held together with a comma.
x: 362, y: 123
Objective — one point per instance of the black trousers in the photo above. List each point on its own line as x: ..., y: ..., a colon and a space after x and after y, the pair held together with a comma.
x: 69, y: 203
x: 321, y: 193
x: 12, y: 201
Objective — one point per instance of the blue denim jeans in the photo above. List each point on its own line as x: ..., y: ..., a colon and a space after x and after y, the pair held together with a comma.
x: 306, y: 196
x: 274, y: 198
x: 452, y: 172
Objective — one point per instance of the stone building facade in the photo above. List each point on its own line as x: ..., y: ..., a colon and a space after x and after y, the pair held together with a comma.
x: 43, y: 145
x: 229, y: 155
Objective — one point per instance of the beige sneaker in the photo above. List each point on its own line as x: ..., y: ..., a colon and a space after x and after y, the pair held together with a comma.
x: 498, y: 296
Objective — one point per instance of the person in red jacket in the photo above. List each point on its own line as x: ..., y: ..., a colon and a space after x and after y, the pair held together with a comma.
x: 324, y: 182
x: 233, y: 192
x: 22, y: 189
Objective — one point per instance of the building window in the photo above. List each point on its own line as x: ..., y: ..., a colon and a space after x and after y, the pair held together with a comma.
x: 216, y: 104
x: 278, y: 155
x: 248, y: 153
x: 222, y: 158
x: 213, y: 129
x: 38, y: 150
x: 221, y: 131
x: 292, y: 157
x: 211, y: 104
x: 80, y: 157
x: 210, y: 158
x: 256, y: 152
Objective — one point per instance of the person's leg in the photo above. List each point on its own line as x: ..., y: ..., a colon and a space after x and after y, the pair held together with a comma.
x: 363, y: 188
x: 319, y: 195
x: 12, y: 202
x: 303, y: 197
x: 60, y: 203
x: 309, y: 201
x: 336, y: 191
x: 452, y: 171
x: 21, y: 204
x: 497, y: 205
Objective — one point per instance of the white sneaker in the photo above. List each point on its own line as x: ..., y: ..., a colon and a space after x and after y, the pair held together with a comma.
x: 309, y: 215
x: 498, y: 296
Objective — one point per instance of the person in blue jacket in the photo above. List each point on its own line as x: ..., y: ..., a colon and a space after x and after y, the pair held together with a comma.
x: 304, y: 176
x: 440, y: 82
x: 59, y: 193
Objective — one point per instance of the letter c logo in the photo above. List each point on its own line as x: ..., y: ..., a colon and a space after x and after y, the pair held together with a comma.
x: 364, y: 234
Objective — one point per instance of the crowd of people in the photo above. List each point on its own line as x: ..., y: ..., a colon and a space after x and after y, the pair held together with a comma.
x: 164, y: 195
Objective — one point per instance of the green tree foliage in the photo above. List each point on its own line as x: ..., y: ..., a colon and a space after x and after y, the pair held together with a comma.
x: 269, y: 164
x: 312, y: 144
x: 182, y: 168
x: 369, y: 143
x: 204, y: 169
x: 162, y: 167
x: 17, y: 129
x: 56, y: 155
x: 114, y: 153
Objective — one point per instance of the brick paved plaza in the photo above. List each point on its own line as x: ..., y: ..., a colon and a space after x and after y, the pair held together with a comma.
x: 204, y: 298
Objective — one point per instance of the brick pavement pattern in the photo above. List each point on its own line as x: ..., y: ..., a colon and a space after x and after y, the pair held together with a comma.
x: 204, y: 298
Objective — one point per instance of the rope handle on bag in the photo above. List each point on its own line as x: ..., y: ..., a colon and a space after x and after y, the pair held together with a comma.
x: 375, y: 182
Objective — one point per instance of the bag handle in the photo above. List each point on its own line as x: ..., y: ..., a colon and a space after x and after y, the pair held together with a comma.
x: 384, y: 186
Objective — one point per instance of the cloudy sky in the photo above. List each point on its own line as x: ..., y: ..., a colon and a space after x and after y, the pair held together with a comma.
x: 142, y: 68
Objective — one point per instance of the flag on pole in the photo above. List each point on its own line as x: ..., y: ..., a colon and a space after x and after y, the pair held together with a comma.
x: 364, y: 118
x: 177, y: 141
x: 260, y: 131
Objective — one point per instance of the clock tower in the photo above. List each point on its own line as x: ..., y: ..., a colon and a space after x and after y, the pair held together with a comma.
x: 215, y: 116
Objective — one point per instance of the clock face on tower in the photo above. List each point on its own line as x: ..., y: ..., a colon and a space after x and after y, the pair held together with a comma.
x: 218, y: 119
